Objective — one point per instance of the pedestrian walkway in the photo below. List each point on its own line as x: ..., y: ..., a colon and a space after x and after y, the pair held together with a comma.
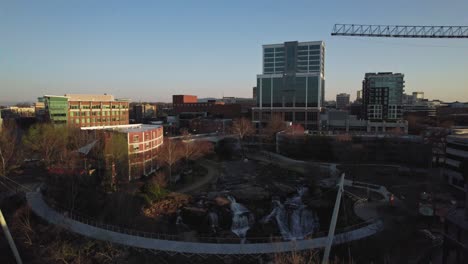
x: 210, y: 177
x: 40, y: 208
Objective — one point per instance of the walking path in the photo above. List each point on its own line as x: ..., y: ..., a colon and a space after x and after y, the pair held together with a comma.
x: 210, y: 177
x: 40, y: 208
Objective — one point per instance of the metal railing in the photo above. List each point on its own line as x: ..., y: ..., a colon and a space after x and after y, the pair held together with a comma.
x: 202, y: 238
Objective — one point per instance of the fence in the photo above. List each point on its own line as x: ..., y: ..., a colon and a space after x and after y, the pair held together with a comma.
x: 202, y: 238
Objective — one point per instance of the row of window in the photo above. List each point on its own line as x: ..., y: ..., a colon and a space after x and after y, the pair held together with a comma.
x: 136, y: 138
x: 119, y: 106
x: 196, y: 104
x: 97, y: 120
x: 281, y: 49
x: 104, y: 113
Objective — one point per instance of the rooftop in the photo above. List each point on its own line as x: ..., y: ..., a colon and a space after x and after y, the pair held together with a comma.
x: 90, y: 97
x: 319, y: 42
x: 124, y: 128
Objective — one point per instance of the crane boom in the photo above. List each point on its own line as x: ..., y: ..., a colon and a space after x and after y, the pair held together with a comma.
x: 400, y: 31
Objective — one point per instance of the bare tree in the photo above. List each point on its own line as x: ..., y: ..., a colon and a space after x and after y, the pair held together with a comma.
x: 242, y: 127
x: 193, y: 149
x: 115, y: 159
x: 47, y: 141
x: 9, y: 159
x: 295, y: 129
x: 170, y: 153
x: 275, y: 125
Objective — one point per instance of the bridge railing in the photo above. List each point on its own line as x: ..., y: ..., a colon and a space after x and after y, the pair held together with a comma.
x: 202, y: 238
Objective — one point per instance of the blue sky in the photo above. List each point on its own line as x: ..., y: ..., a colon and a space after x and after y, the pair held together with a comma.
x: 149, y: 50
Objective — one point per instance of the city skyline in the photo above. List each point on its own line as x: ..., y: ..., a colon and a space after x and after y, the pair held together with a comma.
x: 150, y: 51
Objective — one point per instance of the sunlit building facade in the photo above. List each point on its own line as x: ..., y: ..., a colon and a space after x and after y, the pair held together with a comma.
x: 85, y: 110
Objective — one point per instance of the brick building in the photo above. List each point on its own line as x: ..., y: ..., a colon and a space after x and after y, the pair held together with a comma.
x: 143, y: 142
x: 211, y: 108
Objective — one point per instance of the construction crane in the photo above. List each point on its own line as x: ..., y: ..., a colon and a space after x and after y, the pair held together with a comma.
x: 400, y: 31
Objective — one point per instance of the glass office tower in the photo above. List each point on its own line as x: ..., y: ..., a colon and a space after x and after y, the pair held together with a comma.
x: 292, y: 83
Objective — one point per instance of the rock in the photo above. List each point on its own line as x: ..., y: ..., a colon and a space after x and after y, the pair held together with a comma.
x: 283, y: 188
x: 221, y: 201
x: 251, y: 193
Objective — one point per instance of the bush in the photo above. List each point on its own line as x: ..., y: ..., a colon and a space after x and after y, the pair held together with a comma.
x: 153, y: 192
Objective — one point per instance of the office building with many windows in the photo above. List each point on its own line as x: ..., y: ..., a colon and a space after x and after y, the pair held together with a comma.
x: 382, y: 96
x: 85, y: 110
x: 292, y: 84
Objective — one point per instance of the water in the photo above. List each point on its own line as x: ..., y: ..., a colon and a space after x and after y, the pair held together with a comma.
x: 293, y: 218
x: 213, y: 220
x: 241, y: 219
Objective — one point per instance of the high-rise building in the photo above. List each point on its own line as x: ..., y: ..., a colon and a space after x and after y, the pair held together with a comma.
x: 342, y: 100
x: 292, y: 84
x: 382, y: 96
x: 85, y: 110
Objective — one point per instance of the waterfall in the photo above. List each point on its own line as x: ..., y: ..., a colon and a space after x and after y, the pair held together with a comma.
x: 241, y: 219
x: 293, y: 218
x: 213, y: 220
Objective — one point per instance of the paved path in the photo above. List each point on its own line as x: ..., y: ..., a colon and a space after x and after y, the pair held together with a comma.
x: 211, y: 176
x: 40, y: 208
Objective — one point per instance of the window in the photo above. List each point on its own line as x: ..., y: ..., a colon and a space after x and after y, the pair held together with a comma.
x: 135, y: 138
x: 136, y: 147
x: 269, y: 49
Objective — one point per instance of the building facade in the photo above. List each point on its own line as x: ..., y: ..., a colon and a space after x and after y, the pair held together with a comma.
x: 86, y: 110
x: 456, y: 152
x: 140, y: 112
x: 339, y: 122
x: 188, y: 105
x: 184, y: 99
x: 342, y: 100
x: 143, y: 143
x: 358, y: 96
x: 382, y: 96
x: 292, y: 84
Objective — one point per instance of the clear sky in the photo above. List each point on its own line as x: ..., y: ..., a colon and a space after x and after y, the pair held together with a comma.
x: 149, y: 50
